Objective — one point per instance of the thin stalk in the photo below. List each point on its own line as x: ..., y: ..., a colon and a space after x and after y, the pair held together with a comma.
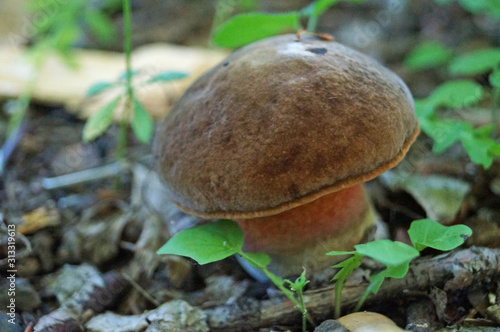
x: 363, y: 298
x: 121, y: 149
x: 339, y: 285
x: 495, y: 105
x: 312, y: 22
x: 23, y: 102
x: 127, y: 45
x: 304, y: 311
x: 127, y: 25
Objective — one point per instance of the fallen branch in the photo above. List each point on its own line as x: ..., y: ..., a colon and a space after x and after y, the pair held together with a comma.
x: 452, y: 271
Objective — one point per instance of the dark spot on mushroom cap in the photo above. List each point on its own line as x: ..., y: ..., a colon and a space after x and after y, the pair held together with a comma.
x: 225, y: 63
x: 319, y: 50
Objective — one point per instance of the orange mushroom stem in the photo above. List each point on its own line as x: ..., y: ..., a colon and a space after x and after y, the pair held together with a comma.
x: 303, y: 235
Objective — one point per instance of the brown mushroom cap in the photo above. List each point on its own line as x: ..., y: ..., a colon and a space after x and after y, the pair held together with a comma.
x: 281, y: 123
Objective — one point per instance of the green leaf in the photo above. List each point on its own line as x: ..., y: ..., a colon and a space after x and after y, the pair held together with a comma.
x: 387, y: 252
x: 247, y: 28
x: 474, y: 6
x: 123, y: 76
x: 98, y: 88
x: 299, y: 283
x: 142, y: 124
x: 65, y: 38
x: 167, y: 76
x: 428, y: 233
x: 397, y: 271
x: 495, y: 78
x: 424, y: 108
x: 478, y: 146
x: 444, y: 132
x: 477, y: 142
x: 429, y: 54
x: 477, y: 62
x: 347, y: 267
x: 495, y: 149
x: 376, y: 281
x: 206, y: 244
x: 340, y: 253
x: 98, y: 122
x: 456, y: 94
x: 100, y: 25
x: 443, y: 2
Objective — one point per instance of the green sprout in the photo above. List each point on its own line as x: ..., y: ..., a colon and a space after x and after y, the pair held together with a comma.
x: 223, y: 238
x: 396, y: 256
x: 298, y: 287
x: 141, y: 122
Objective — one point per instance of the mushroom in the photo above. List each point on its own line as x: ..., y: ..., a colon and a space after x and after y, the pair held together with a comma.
x: 280, y: 137
x: 368, y: 322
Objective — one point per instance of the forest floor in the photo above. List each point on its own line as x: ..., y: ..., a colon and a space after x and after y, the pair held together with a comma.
x: 85, y: 246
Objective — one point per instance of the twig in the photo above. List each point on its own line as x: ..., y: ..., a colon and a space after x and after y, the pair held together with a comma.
x: 140, y: 289
x: 450, y: 271
x: 91, y: 174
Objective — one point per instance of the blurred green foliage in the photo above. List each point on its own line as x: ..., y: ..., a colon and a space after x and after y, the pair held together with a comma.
x: 246, y: 28
x: 396, y: 256
x: 481, y: 143
x: 57, y: 26
x: 488, y: 7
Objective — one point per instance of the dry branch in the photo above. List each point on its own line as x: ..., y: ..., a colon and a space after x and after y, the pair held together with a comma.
x: 452, y: 271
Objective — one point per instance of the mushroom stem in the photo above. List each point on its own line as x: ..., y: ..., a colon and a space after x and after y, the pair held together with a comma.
x: 302, y: 236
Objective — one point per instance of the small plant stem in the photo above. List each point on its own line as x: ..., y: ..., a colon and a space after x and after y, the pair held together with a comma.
x: 312, y: 22
x: 339, y: 285
x: 280, y: 286
x: 304, y: 311
x: 363, y: 298
x: 121, y: 149
x: 495, y: 105
x: 127, y: 45
x: 24, y: 100
x: 127, y: 18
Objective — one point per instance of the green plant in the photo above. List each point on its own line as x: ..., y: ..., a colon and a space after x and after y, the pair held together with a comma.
x: 298, y: 287
x: 55, y: 28
x: 428, y: 54
x: 246, y: 28
x: 396, y: 256
x: 133, y: 110
x: 489, y: 7
x: 221, y: 239
x: 480, y: 143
